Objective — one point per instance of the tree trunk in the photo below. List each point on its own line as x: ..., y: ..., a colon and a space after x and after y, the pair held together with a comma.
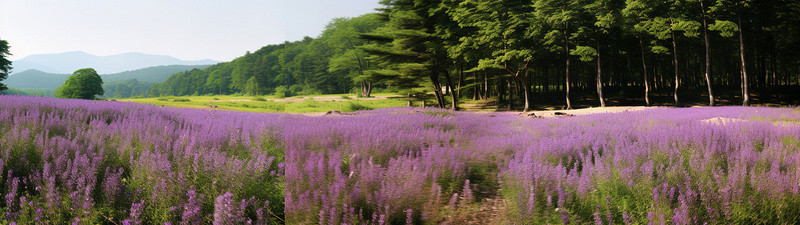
x: 644, y: 71
x: 437, y: 89
x: 475, y: 87
x: 745, y: 92
x: 369, y: 89
x: 452, y: 93
x: 526, y: 89
x: 675, y: 63
x: 510, y: 94
x: 366, y: 87
x: 485, y: 86
x: 599, y: 78
x: 708, y: 55
x: 566, y: 72
x: 460, y: 80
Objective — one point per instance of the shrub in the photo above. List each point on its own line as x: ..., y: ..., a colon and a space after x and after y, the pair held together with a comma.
x: 282, y: 92
x: 352, y: 106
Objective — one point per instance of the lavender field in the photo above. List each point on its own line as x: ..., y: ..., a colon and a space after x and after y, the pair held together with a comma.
x: 724, y: 165
x: 89, y: 162
x: 92, y: 162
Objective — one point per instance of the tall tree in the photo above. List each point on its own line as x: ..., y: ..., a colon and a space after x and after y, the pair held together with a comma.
x: 560, y: 14
x: 607, y: 18
x: 669, y: 17
x: 707, y: 44
x: 5, y: 64
x: 408, y: 45
x: 599, y: 18
x: 508, y: 28
x: 252, y: 87
x: 218, y: 81
x: 639, y: 13
x: 733, y: 10
x: 343, y: 35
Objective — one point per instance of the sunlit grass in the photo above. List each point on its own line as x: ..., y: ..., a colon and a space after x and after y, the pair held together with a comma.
x: 271, y: 104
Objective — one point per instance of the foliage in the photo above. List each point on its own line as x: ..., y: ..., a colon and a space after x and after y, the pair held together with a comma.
x: 324, y: 65
x: 507, y: 50
x: 126, y: 88
x: 28, y: 92
x: 283, y: 92
x: 83, y: 84
x: 5, y: 64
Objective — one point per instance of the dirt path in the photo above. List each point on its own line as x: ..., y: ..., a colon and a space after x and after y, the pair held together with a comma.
x: 490, y: 211
x: 537, y: 114
x: 585, y: 111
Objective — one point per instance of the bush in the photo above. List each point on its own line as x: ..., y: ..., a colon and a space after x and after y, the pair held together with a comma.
x: 181, y: 100
x: 352, y: 106
x: 282, y: 92
x: 296, y: 90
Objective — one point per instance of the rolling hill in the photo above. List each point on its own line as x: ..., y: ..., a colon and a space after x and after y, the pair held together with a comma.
x: 35, y: 79
x: 68, y: 62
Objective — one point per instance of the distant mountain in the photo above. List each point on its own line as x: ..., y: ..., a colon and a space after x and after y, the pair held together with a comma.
x: 35, y: 79
x: 68, y: 62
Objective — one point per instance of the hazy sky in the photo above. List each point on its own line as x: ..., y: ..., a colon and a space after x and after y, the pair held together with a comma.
x: 186, y: 29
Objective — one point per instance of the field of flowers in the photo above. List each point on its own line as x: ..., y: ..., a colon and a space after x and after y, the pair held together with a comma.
x: 724, y: 165
x: 92, y: 162
x: 89, y: 162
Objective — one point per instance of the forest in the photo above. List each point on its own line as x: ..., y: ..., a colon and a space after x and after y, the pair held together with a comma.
x: 657, y: 52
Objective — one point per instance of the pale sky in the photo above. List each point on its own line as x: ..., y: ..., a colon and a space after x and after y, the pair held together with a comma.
x: 187, y: 29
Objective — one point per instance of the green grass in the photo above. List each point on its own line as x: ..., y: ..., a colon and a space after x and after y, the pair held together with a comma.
x: 272, y: 104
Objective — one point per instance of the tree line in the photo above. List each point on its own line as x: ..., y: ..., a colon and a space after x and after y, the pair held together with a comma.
x: 510, y: 50
x: 541, y: 44
x: 330, y: 63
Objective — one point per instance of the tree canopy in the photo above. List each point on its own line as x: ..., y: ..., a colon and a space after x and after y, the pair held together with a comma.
x: 519, y: 52
x: 334, y: 62
x: 82, y: 84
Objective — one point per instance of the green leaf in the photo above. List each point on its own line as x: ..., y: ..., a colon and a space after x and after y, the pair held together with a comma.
x: 725, y: 28
x: 585, y: 53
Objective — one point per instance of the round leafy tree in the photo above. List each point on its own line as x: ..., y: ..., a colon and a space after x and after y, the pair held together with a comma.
x: 83, y: 84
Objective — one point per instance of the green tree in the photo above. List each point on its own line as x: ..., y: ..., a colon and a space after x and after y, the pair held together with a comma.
x: 509, y: 28
x: 561, y: 16
x: 252, y: 87
x: 218, y: 81
x: 348, y: 59
x: 707, y: 44
x: 5, y: 64
x: 83, y: 84
x: 734, y: 10
x: 637, y: 14
x: 408, y: 47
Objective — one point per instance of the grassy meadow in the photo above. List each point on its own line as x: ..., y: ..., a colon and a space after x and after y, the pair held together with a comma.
x: 273, y: 104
